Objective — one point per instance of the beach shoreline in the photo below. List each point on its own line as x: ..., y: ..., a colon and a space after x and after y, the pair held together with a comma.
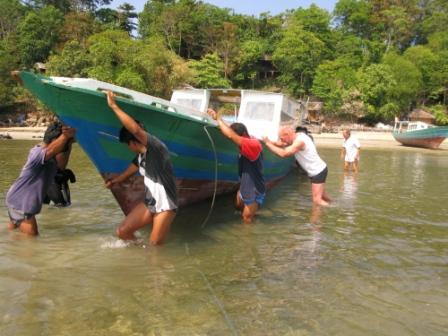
x: 368, y: 139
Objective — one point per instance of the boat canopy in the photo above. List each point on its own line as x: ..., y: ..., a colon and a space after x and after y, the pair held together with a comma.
x: 409, y: 126
x: 263, y: 113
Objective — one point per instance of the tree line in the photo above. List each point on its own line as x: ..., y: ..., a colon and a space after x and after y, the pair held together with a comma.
x: 369, y: 59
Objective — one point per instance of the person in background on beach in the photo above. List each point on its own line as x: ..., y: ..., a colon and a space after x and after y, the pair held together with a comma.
x: 302, y: 147
x: 350, y: 151
x: 25, y: 197
x: 154, y: 164
x: 252, y: 191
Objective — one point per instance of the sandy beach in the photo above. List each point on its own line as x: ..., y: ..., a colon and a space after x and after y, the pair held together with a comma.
x: 369, y: 139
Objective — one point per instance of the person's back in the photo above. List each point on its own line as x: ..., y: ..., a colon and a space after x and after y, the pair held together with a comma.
x: 28, y: 191
x: 308, y: 158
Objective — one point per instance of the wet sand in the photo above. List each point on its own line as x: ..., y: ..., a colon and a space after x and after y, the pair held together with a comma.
x: 328, y: 140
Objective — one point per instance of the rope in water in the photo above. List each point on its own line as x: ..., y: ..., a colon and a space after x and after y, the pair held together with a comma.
x: 216, y: 178
x: 214, y: 296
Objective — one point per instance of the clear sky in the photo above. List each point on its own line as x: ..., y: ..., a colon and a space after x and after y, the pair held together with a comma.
x: 249, y: 7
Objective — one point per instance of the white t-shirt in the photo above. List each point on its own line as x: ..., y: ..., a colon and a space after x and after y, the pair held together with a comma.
x: 351, y: 146
x: 308, y: 158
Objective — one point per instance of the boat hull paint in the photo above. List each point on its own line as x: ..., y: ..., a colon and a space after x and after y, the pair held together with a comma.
x: 427, y: 138
x: 201, y: 155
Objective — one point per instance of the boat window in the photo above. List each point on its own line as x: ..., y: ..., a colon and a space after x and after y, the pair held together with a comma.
x: 192, y: 103
x: 259, y: 111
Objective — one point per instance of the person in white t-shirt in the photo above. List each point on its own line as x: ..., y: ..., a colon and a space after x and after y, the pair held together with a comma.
x: 350, y: 151
x: 302, y: 147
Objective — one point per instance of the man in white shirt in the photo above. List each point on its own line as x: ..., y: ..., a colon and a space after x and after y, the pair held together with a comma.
x: 350, y: 151
x: 302, y: 147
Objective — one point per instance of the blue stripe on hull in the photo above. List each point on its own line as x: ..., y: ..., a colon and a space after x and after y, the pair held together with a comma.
x: 89, y: 135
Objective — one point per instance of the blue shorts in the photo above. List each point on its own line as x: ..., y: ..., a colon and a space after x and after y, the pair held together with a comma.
x: 259, y: 198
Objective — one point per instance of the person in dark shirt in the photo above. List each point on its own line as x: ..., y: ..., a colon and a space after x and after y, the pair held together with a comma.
x: 154, y: 164
x: 25, y: 197
x: 252, y: 191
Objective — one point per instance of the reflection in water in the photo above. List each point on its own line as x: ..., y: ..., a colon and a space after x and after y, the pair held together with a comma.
x: 349, y: 189
x: 366, y: 265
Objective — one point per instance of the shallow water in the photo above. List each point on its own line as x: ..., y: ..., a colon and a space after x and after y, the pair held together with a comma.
x: 375, y: 263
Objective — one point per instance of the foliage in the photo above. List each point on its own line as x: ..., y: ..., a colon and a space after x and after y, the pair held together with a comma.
x: 332, y: 80
x: 6, y: 82
x: 375, y: 84
x: 140, y: 65
x: 209, y: 72
x: 370, y: 59
x: 408, y: 81
x: 440, y: 113
x: 297, y: 56
x: 38, y: 34
x: 72, y: 62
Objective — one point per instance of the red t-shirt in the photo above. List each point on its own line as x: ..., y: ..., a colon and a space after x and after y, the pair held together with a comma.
x: 250, y: 148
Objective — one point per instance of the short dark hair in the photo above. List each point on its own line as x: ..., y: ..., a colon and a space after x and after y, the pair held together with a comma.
x: 239, y: 129
x: 52, y: 132
x: 126, y: 136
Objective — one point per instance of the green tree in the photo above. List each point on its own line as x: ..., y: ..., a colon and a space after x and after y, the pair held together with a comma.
x: 12, y: 11
x: 250, y: 52
x: 297, y: 56
x: 143, y: 65
x: 38, y: 34
x: 408, y: 81
x: 427, y: 63
x: 209, y: 72
x: 126, y: 15
x: 440, y: 113
x: 6, y: 82
x: 333, y: 79
x: 72, y: 62
x: 375, y: 83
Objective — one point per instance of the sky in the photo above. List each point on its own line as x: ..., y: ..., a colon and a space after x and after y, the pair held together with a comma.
x: 248, y: 7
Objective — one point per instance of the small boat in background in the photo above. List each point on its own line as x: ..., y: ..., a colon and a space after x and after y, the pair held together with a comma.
x: 205, y: 161
x: 419, y: 134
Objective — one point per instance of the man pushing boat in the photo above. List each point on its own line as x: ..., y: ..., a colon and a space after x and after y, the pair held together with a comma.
x: 25, y: 197
x: 252, y: 190
x: 153, y: 162
x: 302, y: 147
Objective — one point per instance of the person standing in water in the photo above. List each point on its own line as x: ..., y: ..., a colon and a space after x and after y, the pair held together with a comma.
x: 252, y: 191
x: 153, y: 162
x: 25, y: 197
x: 350, y: 151
x: 302, y: 147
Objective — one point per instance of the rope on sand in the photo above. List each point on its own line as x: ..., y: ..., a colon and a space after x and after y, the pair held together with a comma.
x: 214, y: 296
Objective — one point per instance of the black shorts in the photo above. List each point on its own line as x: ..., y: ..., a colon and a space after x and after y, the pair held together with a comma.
x: 321, y: 177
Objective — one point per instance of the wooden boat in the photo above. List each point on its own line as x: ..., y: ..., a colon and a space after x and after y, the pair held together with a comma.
x: 205, y: 162
x: 419, y: 134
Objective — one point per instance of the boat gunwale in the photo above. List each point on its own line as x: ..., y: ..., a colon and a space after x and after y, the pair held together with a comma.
x: 206, y: 121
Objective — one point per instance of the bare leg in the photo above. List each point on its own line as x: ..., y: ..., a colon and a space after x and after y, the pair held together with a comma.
x: 29, y: 226
x: 11, y: 226
x: 315, y: 213
x: 356, y: 166
x: 346, y: 165
x: 239, y: 204
x: 139, y: 217
x: 317, y: 191
x: 326, y: 197
x: 161, y: 226
x: 249, y: 212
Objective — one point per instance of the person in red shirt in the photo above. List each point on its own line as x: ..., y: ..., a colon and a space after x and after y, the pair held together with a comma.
x: 252, y: 191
